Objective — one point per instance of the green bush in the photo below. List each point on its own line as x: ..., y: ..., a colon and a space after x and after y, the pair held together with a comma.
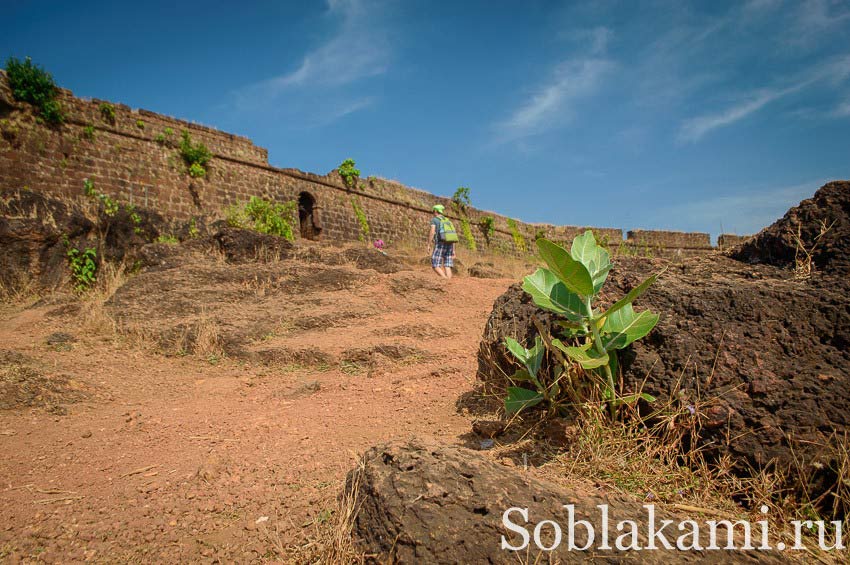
x: 467, y: 233
x: 264, y: 216
x: 195, y: 155
x: 83, y: 265
x: 88, y: 132
x: 461, y: 200
x: 519, y: 241
x: 488, y: 225
x: 107, y: 112
x: 349, y: 172
x: 32, y: 84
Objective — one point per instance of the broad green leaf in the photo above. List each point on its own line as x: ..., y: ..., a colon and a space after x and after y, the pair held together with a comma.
x: 549, y: 293
x: 595, y: 258
x: 573, y: 274
x: 531, y: 358
x: 632, y: 295
x: 519, y: 398
x: 585, y: 356
x: 625, y: 326
x: 518, y: 350
x: 521, y: 375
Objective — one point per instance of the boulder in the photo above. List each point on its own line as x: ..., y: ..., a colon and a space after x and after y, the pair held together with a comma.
x: 418, y: 502
x: 241, y: 245
x: 820, y: 225
x: 763, y: 357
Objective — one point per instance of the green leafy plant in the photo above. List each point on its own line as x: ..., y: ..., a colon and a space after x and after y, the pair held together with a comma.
x: 168, y: 238
x: 32, y: 84
x: 349, y: 173
x: 264, y: 216
x: 195, y: 155
x: 88, y: 132
x: 197, y: 171
x: 135, y: 219
x: 107, y: 112
x: 83, y: 265
x: 467, y: 233
x: 461, y: 200
x: 193, y: 229
x: 519, y: 240
x: 140, y: 124
x: 361, y: 219
x: 488, y: 226
x: 570, y: 287
x: 160, y: 138
x: 110, y: 206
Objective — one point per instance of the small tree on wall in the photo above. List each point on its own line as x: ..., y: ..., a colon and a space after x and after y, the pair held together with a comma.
x: 349, y: 173
x: 461, y: 202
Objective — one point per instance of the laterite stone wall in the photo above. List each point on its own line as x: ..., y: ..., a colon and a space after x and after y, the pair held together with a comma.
x: 133, y: 158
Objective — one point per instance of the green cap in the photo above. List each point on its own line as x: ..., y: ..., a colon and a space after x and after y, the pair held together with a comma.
x: 439, y: 208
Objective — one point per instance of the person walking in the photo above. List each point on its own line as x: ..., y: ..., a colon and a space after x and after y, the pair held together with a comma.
x: 441, y: 242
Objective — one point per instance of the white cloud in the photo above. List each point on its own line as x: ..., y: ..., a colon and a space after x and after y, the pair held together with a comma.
x: 816, y: 18
x: 842, y: 110
x: 325, y: 75
x: 693, y: 129
x: 553, y: 103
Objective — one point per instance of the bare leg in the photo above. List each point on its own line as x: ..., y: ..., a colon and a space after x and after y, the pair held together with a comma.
x: 440, y: 271
x: 448, y: 272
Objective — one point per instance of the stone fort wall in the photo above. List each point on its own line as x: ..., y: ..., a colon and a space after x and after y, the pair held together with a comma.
x: 129, y: 160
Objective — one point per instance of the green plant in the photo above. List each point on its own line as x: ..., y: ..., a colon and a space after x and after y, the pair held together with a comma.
x: 461, y: 200
x: 168, y: 238
x: 540, y: 233
x: 168, y: 132
x: 195, y: 155
x: 467, y: 233
x: 32, y: 84
x: 88, y: 132
x: 193, y: 229
x: 107, y: 112
x: 110, y: 207
x: 197, y: 171
x: 519, y: 241
x: 140, y: 124
x: 488, y: 226
x: 361, y: 219
x: 570, y: 287
x: 264, y: 216
x: 349, y: 172
x: 160, y: 138
x: 83, y: 265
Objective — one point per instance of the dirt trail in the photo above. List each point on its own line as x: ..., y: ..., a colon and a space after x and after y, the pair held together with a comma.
x: 172, y: 458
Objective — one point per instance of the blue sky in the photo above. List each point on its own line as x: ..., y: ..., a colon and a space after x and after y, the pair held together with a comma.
x: 668, y: 115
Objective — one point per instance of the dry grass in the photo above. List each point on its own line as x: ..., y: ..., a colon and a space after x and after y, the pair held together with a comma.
x: 207, y: 339
x: 659, y: 464
x: 331, y: 541
x: 803, y: 254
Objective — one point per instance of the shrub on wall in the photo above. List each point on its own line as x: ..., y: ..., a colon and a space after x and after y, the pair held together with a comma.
x: 519, y: 241
x: 195, y: 155
x: 273, y: 218
x: 107, y: 112
x: 32, y: 84
x: 488, y: 226
x: 349, y: 173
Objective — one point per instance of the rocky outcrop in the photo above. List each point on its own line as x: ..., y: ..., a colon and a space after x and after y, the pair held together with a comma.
x: 423, y: 503
x: 819, y: 225
x: 760, y: 355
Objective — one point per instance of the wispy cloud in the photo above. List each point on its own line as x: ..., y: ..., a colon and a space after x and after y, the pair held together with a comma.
x: 842, y: 110
x: 326, y: 74
x: 694, y: 129
x: 816, y: 18
x: 552, y: 104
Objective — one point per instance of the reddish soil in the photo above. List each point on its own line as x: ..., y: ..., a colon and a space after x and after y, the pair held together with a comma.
x: 136, y: 455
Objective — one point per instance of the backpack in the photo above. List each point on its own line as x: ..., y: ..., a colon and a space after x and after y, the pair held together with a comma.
x: 447, y: 231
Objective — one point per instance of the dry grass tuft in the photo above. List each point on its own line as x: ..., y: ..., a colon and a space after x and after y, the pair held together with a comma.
x: 207, y: 339
x: 331, y: 540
